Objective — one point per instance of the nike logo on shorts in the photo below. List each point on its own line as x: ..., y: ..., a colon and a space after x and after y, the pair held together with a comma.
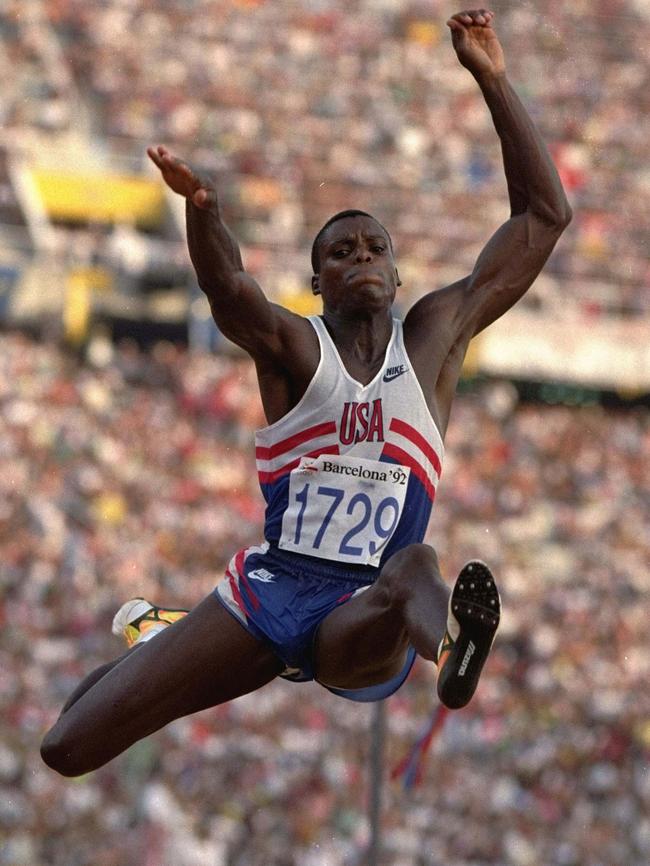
x: 261, y: 574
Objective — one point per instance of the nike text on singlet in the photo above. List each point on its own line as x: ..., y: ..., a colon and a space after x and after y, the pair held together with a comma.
x: 350, y: 473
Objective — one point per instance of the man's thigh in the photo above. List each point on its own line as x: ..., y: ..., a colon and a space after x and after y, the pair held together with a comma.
x: 202, y: 660
x: 361, y: 643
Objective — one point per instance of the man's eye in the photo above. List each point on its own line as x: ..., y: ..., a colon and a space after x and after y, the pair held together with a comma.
x: 378, y: 249
x: 338, y: 254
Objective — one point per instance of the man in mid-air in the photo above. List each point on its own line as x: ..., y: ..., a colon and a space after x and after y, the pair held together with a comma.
x: 342, y: 590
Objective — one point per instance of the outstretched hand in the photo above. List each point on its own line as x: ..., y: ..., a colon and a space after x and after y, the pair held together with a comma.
x: 476, y: 43
x: 182, y: 179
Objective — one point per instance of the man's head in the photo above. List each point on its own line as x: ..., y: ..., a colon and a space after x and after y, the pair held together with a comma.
x: 315, y: 254
x: 352, y: 257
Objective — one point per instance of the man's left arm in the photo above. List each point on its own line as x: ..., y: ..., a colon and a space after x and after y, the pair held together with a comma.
x: 515, y: 254
x: 439, y: 327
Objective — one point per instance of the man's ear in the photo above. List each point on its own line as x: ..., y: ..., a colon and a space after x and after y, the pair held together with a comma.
x: 315, y: 284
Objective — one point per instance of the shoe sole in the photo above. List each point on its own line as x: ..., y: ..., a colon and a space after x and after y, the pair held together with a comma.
x: 128, y: 613
x: 476, y: 607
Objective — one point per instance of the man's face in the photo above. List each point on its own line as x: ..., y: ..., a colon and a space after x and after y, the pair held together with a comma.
x: 357, y: 268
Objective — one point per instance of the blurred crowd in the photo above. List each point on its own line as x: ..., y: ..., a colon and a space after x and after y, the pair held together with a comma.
x: 127, y: 473
x: 133, y: 474
x: 303, y: 108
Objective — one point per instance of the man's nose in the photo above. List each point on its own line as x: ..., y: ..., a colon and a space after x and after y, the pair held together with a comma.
x: 363, y: 255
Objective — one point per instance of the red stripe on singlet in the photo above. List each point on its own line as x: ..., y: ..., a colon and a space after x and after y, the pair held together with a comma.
x: 418, y: 440
x: 418, y: 470
x: 270, y: 477
x: 264, y: 453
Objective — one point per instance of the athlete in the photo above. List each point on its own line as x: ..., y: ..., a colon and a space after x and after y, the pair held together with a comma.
x: 342, y: 590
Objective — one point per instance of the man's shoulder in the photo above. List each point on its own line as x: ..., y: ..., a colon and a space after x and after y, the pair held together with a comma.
x: 437, y: 307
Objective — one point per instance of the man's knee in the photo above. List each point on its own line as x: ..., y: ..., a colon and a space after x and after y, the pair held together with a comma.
x: 402, y: 573
x: 61, y: 753
x: 72, y: 749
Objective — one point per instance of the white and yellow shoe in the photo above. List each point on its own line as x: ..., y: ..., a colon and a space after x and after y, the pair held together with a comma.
x: 138, y: 620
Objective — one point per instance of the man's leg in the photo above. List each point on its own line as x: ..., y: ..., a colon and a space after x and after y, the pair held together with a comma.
x: 204, y: 659
x: 136, y: 621
x: 365, y: 641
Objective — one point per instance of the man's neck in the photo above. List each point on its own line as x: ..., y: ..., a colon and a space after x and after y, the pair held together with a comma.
x: 363, y: 339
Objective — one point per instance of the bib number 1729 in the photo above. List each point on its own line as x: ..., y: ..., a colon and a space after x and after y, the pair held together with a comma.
x: 343, y: 508
x: 381, y: 520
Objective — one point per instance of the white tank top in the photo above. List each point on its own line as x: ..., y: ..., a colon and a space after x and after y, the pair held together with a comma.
x: 350, y: 473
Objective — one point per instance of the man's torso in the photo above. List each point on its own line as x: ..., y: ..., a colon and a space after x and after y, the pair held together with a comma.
x: 349, y: 474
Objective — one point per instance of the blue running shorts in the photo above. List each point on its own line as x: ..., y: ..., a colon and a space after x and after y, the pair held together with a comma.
x: 281, y: 598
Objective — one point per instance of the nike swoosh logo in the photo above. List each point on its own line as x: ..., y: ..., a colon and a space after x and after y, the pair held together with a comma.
x: 262, y: 575
x: 389, y: 375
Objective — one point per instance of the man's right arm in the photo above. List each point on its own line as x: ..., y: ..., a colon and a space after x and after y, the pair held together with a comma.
x: 239, y: 307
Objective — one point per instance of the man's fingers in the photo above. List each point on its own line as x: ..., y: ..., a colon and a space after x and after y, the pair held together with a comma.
x: 459, y: 34
x: 162, y: 157
x: 153, y: 155
x: 480, y: 17
x: 462, y: 23
x: 181, y: 178
x: 166, y: 161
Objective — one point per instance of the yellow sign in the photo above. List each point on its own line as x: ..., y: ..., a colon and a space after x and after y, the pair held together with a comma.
x: 109, y: 198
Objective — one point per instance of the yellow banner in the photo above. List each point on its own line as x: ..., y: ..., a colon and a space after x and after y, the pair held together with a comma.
x: 99, y: 197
